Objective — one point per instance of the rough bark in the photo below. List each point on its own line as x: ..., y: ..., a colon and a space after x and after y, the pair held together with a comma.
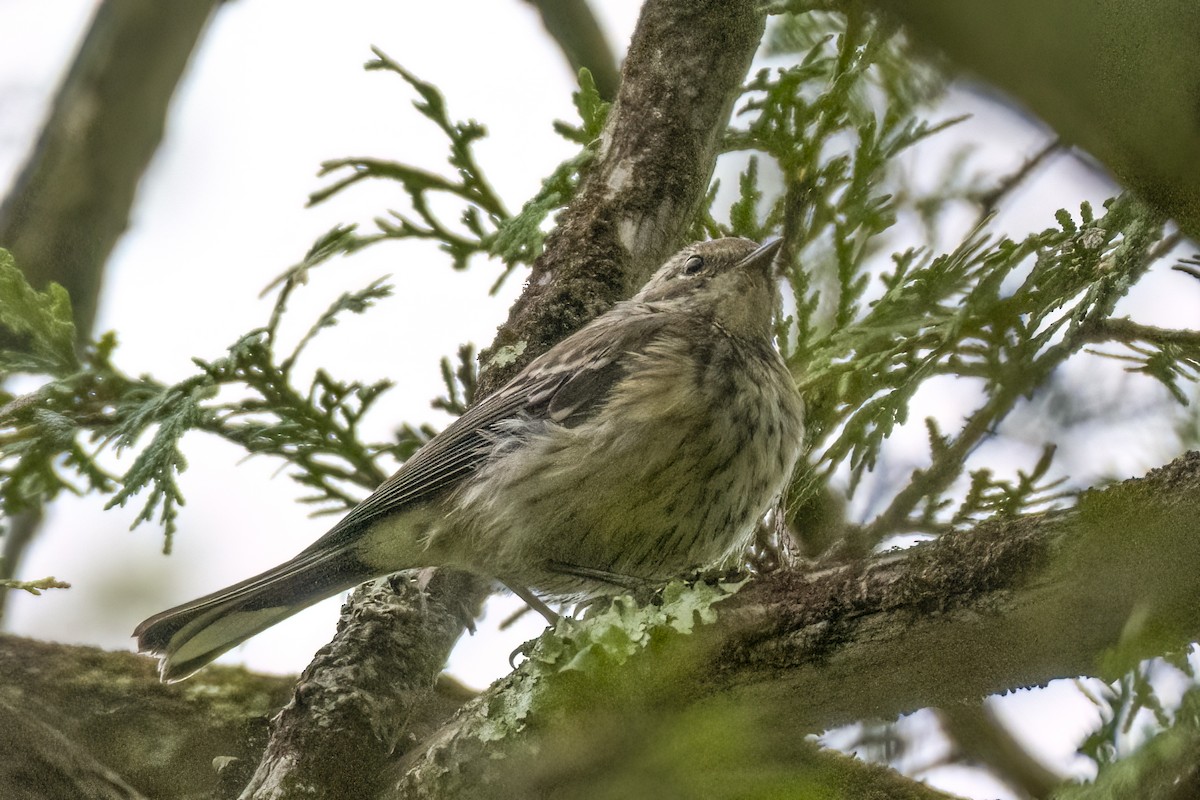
x: 1007, y: 604
x: 1003, y: 606
x: 365, y: 693
x: 683, y: 72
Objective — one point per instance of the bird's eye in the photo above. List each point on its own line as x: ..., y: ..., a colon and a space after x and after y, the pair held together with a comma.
x: 693, y: 265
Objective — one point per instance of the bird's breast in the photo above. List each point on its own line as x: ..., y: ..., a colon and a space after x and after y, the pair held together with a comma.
x: 669, y: 475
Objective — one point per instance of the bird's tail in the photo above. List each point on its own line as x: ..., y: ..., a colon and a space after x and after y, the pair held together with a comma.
x: 189, y: 636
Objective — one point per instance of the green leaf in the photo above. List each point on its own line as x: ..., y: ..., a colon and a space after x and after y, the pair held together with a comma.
x: 593, y: 112
x: 43, y: 321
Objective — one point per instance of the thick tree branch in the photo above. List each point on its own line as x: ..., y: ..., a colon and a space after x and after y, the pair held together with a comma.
x: 1005, y: 605
x: 353, y: 708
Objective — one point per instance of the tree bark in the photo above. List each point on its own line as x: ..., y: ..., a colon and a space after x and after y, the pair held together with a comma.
x: 683, y: 72
x: 1003, y: 606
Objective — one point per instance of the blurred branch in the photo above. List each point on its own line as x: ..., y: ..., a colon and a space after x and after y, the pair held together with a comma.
x: 112, y: 707
x: 34, y: 757
x: 70, y: 203
x: 980, y: 737
x: 1117, y: 79
x: 18, y: 531
x: 171, y: 741
x: 574, y: 27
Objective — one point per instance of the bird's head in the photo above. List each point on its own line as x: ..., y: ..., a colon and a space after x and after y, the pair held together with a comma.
x: 731, y: 280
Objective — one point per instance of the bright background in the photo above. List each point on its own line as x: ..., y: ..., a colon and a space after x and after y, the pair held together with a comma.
x: 275, y: 88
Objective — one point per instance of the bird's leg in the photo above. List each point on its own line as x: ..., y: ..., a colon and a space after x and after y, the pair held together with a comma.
x: 534, y: 602
x: 642, y: 590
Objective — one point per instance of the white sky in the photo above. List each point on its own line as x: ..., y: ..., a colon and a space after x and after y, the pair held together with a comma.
x: 276, y: 88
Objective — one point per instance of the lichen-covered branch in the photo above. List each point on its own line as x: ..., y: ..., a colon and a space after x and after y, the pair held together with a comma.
x: 1002, y: 606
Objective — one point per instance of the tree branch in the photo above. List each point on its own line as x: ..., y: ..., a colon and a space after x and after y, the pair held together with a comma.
x: 681, y: 77
x: 982, y: 738
x: 38, y: 763
x: 1009, y: 604
x: 71, y: 201
x: 574, y: 28
x: 1127, y: 331
x: 357, y: 702
x: 1118, y: 79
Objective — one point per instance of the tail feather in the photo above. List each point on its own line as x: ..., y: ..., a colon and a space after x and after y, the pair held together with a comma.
x: 190, y: 636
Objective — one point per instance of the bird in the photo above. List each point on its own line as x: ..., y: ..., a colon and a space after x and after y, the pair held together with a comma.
x: 646, y: 445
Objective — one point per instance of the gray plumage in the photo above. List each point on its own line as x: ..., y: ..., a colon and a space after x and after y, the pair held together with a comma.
x: 645, y: 445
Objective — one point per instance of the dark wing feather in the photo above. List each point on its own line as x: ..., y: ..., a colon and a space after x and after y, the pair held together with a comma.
x: 578, y: 397
x: 567, y: 384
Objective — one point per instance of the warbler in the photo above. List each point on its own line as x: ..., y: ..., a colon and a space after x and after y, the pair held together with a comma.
x: 645, y: 445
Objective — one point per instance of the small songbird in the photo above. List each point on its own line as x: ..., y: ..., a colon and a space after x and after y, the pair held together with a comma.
x: 642, y: 447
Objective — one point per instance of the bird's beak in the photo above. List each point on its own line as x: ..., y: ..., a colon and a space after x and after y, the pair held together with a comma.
x: 763, y: 258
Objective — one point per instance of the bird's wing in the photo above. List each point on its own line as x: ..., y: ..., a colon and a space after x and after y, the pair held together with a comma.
x: 567, y: 384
